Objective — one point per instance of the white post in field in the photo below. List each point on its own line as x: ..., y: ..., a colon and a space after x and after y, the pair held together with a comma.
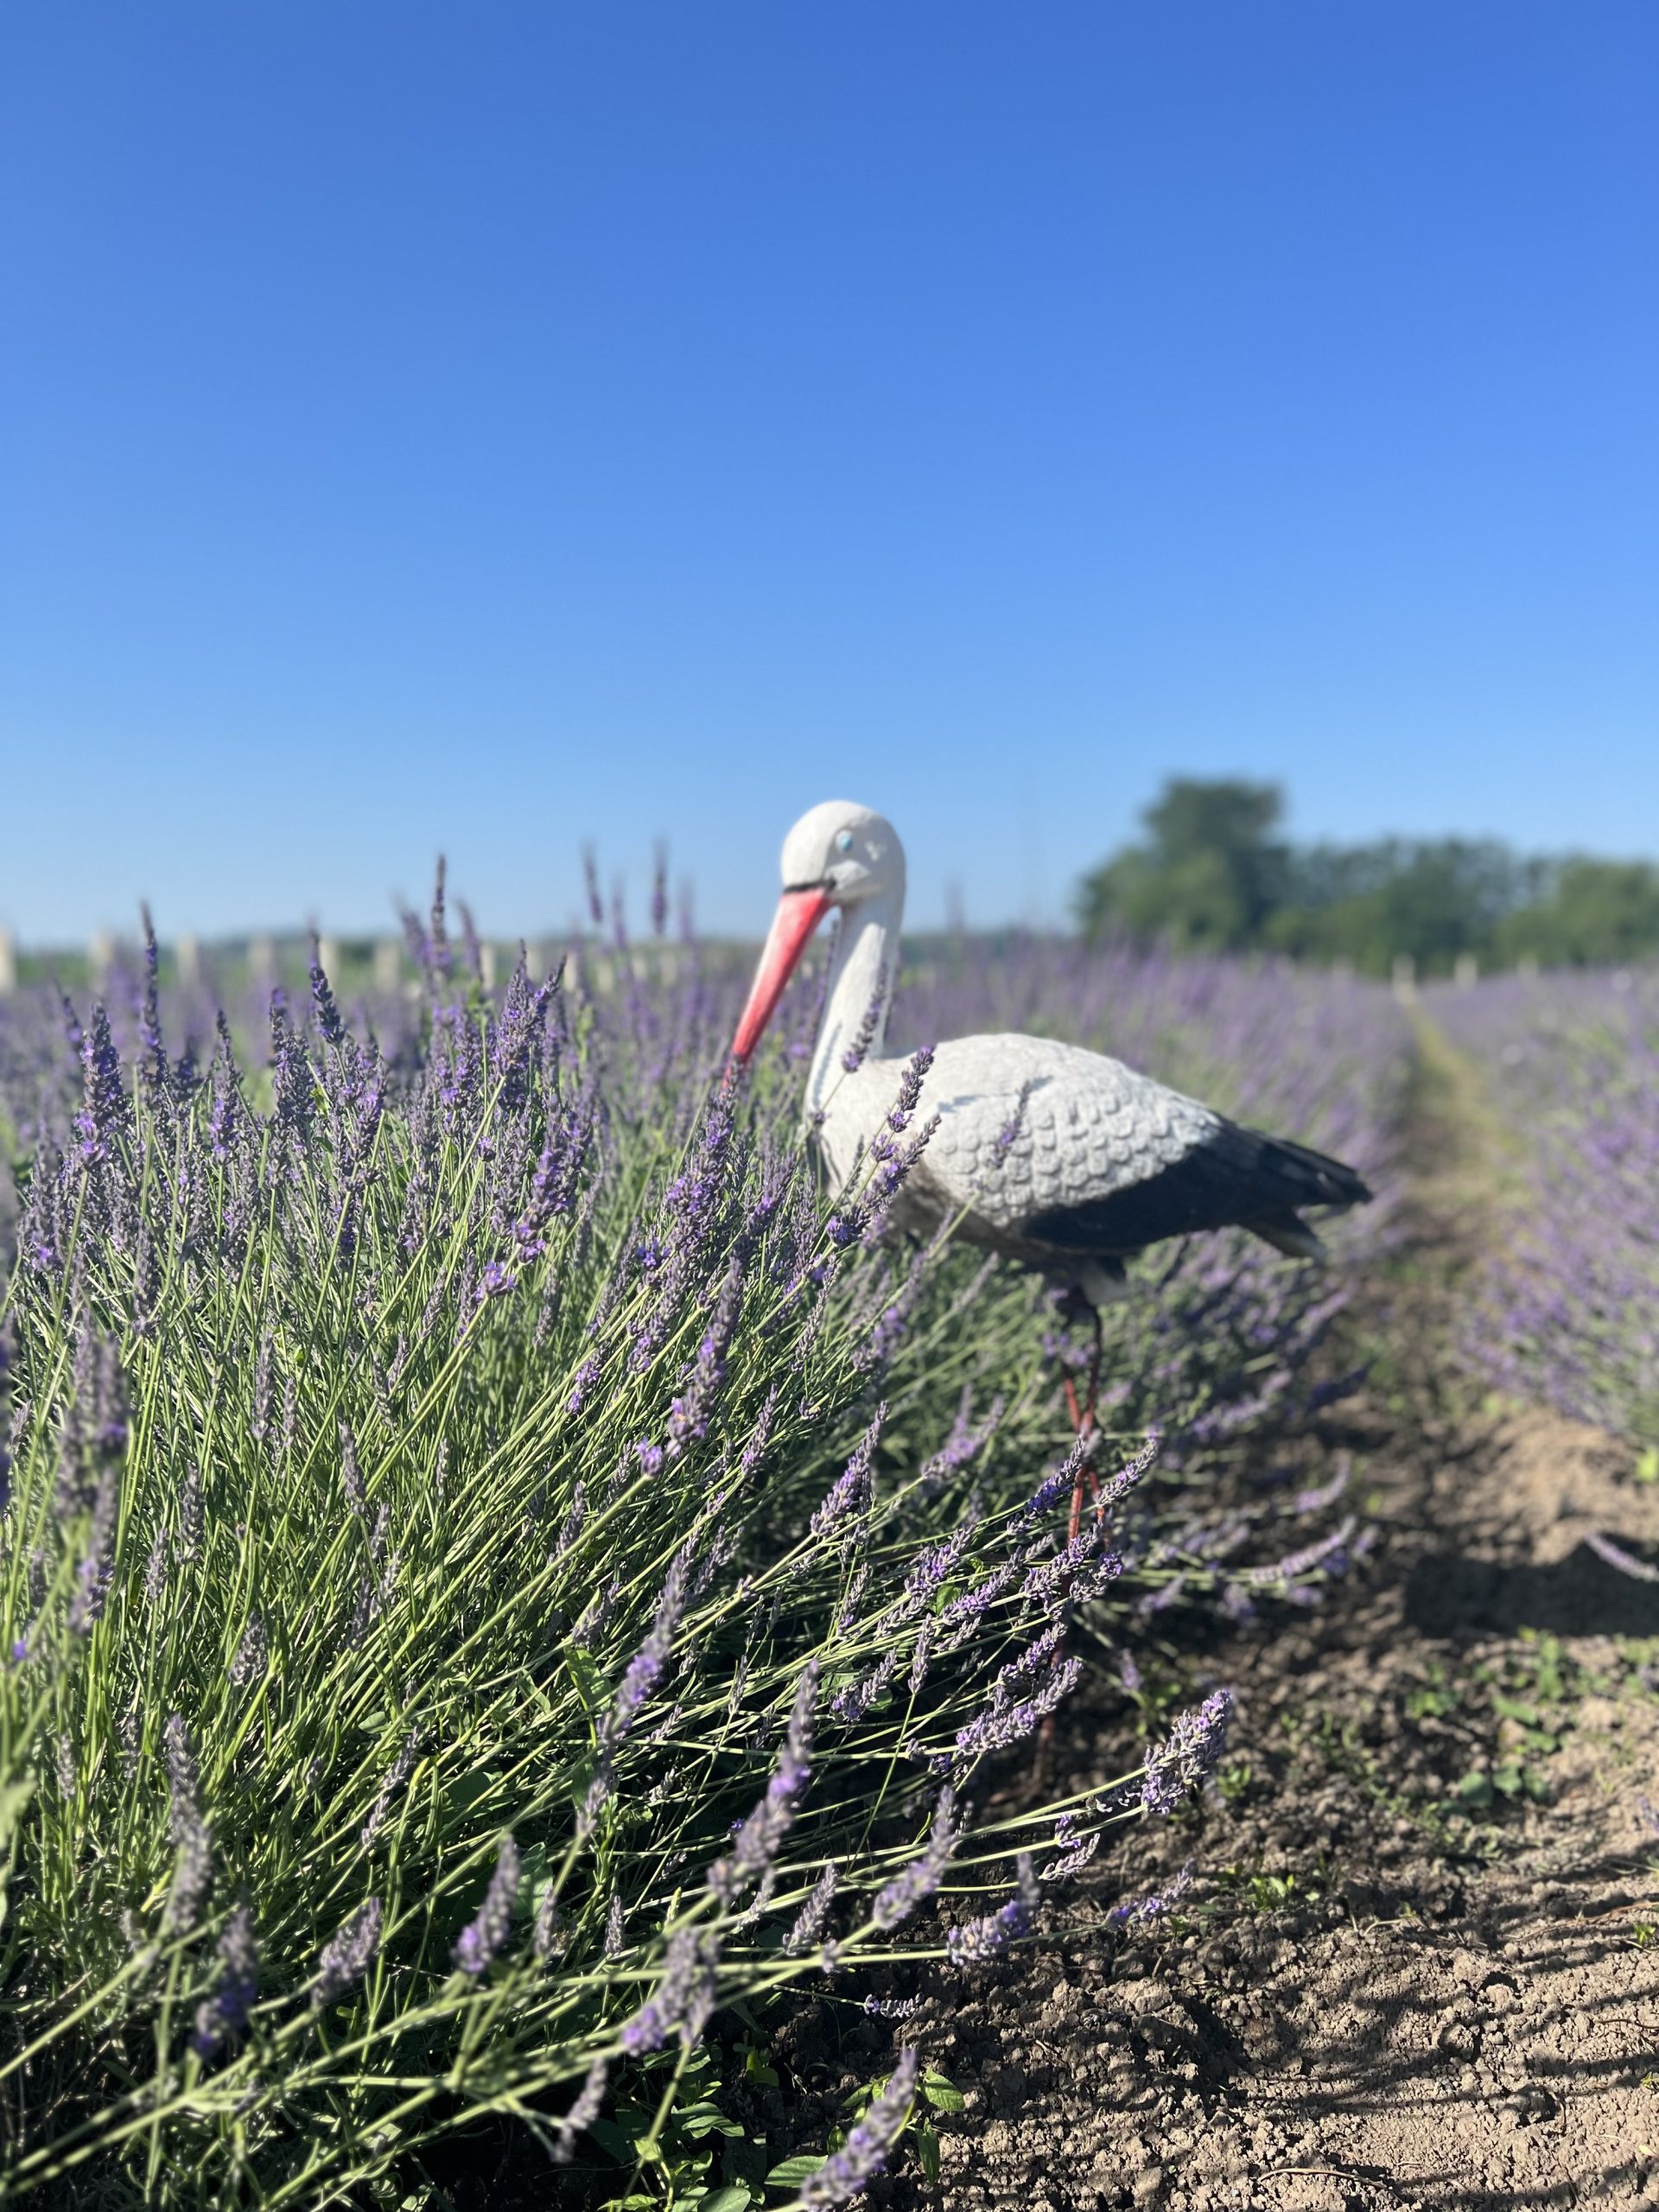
x: 7, y: 961
x: 329, y: 957
x: 388, y: 963
x: 262, y: 961
x: 1405, y: 979
x: 187, y: 955
x: 1465, y: 971
x: 100, y: 957
x: 486, y: 965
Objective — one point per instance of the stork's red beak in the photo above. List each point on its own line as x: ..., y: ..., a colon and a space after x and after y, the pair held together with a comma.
x: 798, y: 915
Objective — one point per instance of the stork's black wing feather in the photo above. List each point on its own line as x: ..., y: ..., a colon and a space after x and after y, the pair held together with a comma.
x: 1236, y: 1178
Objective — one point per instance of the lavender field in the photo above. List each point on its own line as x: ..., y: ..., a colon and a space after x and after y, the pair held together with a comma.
x: 511, y: 1612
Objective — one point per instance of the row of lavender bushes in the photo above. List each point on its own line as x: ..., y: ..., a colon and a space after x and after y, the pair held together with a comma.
x: 1567, y: 1308
x: 489, y: 1583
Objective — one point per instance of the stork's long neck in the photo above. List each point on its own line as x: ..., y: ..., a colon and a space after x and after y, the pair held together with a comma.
x: 867, y: 959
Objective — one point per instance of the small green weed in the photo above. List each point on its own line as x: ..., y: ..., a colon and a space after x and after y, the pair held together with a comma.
x: 1436, y: 1699
x: 1234, y: 1780
x: 1264, y: 1891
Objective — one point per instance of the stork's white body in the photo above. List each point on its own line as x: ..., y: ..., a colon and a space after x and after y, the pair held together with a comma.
x: 1103, y: 1160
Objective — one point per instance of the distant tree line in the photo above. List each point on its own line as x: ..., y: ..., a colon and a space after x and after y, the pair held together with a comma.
x: 1214, y: 873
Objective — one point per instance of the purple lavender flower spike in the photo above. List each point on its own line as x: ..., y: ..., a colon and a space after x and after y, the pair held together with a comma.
x: 1188, y: 1756
x: 1009, y: 1135
x: 583, y: 2113
x: 851, y: 1490
x: 193, y: 1842
x: 683, y: 1998
x: 223, y: 2017
x: 982, y: 1939
x: 921, y: 1658
x: 864, y: 1036
x: 813, y: 1915
x: 439, y: 959
x: 191, y: 1516
x: 482, y: 1937
x: 348, y: 1955
x: 1075, y: 1852
x: 1002, y: 1724
x: 586, y: 1376
x: 94, y: 1438
x: 351, y: 1479
x: 865, y: 2152
x: 755, y: 1847
x: 615, y: 1930
x: 1326, y: 1494
x: 916, y: 1883
x: 855, y: 1700
x: 103, y: 1114
x: 323, y: 998
x: 7, y: 1440
x: 1143, y: 1910
x: 689, y: 1414
x: 94, y: 1574
x: 551, y: 1935
x: 1055, y: 1486
x: 910, y: 1087
x: 391, y: 1790
x: 253, y: 1654
x: 890, y: 2008
x: 1127, y: 1476
x: 644, y: 1670
x: 1616, y: 1557
x: 1328, y: 1552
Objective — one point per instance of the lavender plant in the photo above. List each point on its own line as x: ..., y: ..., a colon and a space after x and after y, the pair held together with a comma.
x: 488, y: 1576
x: 1566, y: 1305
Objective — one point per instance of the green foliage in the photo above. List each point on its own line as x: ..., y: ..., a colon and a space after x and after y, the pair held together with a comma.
x: 1214, y: 874
x: 1430, y: 901
x: 1597, y: 913
x: 1208, y: 880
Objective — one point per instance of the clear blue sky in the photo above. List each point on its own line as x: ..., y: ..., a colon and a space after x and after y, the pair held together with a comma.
x: 487, y: 426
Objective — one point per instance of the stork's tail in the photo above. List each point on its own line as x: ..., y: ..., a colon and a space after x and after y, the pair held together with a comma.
x: 1289, y: 1234
x: 1302, y: 1177
x: 1298, y: 1176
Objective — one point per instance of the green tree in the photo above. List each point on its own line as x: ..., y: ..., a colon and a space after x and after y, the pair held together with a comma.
x: 1212, y: 874
x: 1598, y: 911
x: 1430, y: 900
x: 1208, y: 876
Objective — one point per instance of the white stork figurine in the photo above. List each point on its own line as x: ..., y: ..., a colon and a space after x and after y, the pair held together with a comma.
x: 1104, y: 1161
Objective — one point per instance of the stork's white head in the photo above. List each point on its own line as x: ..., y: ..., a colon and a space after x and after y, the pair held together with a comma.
x: 846, y: 851
x: 838, y: 854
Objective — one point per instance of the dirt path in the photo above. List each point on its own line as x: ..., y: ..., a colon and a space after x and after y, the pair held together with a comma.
x: 1414, y: 1970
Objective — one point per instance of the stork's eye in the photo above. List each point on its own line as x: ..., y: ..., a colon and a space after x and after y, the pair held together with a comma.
x: 843, y: 841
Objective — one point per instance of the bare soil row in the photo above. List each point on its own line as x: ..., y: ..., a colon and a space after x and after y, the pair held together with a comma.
x: 1421, y: 1963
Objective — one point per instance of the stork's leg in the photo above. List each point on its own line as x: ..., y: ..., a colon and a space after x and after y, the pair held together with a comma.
x: 1084, y: 1423
x: 1094, y: 1375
